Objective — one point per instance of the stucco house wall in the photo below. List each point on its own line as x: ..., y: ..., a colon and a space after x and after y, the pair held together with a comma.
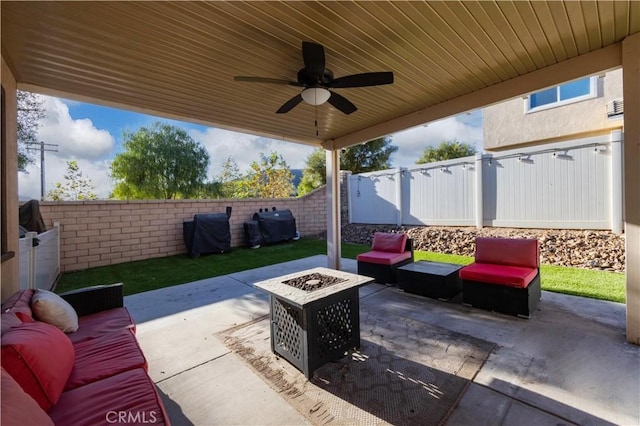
x: 507, y: 124
x: 9, y: 181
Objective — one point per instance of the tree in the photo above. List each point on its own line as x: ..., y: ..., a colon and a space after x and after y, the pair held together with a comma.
x: 209, y: 190
x: 447, y: 150
x: 75, y: 188
x: 160, y: 162
x: 269, y: 178
x: 30, y: 111
x: 372, y: 156
x: 315, y: 173
x: 229, y: 178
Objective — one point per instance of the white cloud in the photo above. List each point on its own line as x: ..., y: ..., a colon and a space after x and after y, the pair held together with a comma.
x: 93, y: 149
x: 55, y: 168
x: 245, y: 149
x: 413, y: 141
x: 76, y: 140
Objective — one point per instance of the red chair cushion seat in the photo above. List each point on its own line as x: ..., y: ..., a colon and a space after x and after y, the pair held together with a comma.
x: 131, y: 395
x: 104, y: 357
x: 383, y: 257
x: 511, y: 276
x: 389, y: 242
x: 101, y: 323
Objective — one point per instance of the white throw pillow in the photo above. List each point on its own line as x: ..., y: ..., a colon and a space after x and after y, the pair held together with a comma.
x: 53, y: 309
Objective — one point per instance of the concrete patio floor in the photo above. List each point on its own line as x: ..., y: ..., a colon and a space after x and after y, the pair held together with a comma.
x: 568, y: 364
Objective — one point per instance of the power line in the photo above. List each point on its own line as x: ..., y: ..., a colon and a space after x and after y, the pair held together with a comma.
x: 42, y: 150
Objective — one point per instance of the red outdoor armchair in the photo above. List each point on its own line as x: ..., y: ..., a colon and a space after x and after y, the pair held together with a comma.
x: 388, y: 252
x: 505, y: 276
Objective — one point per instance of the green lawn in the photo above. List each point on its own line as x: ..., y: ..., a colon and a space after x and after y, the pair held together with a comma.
x: 151, y: 274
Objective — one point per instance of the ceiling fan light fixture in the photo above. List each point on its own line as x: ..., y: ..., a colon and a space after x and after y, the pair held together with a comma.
x: 315, y: 95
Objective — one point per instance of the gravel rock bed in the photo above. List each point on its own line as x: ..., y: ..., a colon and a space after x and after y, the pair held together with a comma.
x: 601, y: 250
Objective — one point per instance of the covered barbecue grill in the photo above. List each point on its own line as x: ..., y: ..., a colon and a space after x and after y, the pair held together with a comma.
x: 270, y: 227
x: 207, y: 233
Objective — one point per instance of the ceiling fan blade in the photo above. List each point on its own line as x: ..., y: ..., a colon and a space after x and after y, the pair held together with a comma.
x: 342, y: 103
x: 290, y: 104
x: 313, y: 56
x: 362, y: 80
x: 266, y: 80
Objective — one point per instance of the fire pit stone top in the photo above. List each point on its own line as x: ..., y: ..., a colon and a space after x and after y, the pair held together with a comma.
x: 284, y: 286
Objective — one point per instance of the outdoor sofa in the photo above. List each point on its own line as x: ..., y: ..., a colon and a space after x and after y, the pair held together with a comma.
x: 505, y: 276
x: 388, y: 252
x: 94, y: 375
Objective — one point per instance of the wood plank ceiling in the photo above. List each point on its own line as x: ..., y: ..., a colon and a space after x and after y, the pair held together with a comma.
x: 178, y: 59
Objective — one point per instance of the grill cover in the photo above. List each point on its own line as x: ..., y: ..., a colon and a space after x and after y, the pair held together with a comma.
x: 275, y: 226
x: 207, y: 233
x: 252, y: 231
x: 30, y: 217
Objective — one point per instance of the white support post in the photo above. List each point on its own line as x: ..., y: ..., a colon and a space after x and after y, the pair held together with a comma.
x: 479, y: 199
x: 616, y: 138
x: 631, y: 155
x: 333, y: 209
x: 399, y: 212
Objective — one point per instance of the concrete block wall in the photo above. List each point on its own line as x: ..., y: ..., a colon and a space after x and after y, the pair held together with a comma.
x: 99, y: 233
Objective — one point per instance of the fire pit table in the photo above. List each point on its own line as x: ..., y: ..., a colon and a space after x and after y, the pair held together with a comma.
x: 315, y: 316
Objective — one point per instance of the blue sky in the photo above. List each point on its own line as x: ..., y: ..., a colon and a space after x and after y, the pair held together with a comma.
x: 92, y: 135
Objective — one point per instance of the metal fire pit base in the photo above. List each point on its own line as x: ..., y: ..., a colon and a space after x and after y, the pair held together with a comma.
x: 321, y: 332
x: 311, y: 328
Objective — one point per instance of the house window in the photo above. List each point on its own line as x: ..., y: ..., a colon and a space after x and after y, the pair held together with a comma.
x: 567, y: 93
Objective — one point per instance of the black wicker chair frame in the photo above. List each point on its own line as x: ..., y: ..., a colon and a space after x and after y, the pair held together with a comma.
x: 385, y: 274
x: 90, y: 300
x: 520, y: 302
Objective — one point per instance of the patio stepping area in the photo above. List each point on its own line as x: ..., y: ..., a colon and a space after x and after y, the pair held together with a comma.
x: 568, y: 364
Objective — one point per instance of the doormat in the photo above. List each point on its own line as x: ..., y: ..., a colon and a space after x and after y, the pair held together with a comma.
x: 405, y: 372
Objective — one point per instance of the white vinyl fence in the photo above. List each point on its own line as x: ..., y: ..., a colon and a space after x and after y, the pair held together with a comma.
x: 40, y: 261
x: 569, y: 185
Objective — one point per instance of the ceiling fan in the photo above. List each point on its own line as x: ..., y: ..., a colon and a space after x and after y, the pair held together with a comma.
x: 318, y: 80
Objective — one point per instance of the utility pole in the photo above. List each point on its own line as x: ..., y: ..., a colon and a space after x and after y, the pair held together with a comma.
x: 42, y: 149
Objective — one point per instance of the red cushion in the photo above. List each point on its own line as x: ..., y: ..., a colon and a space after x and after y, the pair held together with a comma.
x: 511, y: 276
x: 101, y: 323
x: 20, y: 303
x: 8, y: 321
x: 131, y: 394
x: 389, y: 242
x: 383, y: 258
x: 508, y: 251
x: 39, y: 357
x: 104, y: 357
x: 18, y: 408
